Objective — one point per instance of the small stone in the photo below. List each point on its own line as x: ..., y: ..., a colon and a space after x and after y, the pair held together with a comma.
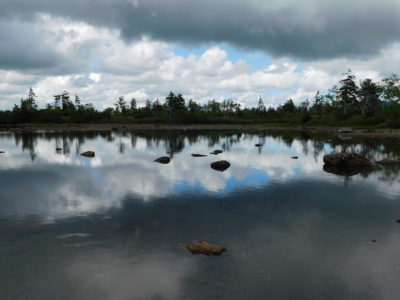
x: 295, y: 157
x: 206, y: 248
x: 374, y: 241
x: 198, y: 155
x: 1, y: 152
x: 398, y: 220
x: 345, y: 130
x: 88, y: 154
x: 163, y: 160
x: 215, y: 152
x: 221, y: 165
x: 58, y: 149
x: 258, y: 145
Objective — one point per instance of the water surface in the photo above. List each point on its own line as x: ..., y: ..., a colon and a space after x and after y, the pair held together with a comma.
x: 114, y: 226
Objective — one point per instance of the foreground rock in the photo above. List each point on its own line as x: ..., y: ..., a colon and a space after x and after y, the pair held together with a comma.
x: 221, y: 165
x: 88, y: 154
x: 346, y: 164
x: 163, y: 160
x: 215, y: 152
x: 198, y: 155
x: 206, y: 248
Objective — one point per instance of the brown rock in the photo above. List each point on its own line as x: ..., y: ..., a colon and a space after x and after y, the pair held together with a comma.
x: 206, y: 248
x: 88, y: 154
x: 163, y: 160
x: 221, y: 165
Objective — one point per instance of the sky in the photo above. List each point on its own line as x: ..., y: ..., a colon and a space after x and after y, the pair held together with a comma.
x: 242, y: 50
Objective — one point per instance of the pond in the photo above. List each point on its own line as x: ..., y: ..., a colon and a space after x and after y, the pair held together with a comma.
x: 115, y: 226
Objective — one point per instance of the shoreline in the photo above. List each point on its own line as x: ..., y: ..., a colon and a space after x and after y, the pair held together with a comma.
x: 345, y: 131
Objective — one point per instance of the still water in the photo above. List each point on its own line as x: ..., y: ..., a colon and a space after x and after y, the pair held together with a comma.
x: 115, y: 226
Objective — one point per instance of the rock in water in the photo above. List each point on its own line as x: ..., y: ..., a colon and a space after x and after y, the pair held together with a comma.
x: 198, y: 155
x: 215, y: 152
x: 58, y: 149
x: 163, y: 160
x: 258, y: 145
x: 346, y: 164
x: 221, y: 165
x: 295, y: 157
x: 206, y: 248
x: 1, y: 152
x: 388, y: 163
x: 346, y: 159
x: 88, y: 154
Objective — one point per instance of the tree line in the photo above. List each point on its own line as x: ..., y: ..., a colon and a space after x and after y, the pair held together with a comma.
x: 363, y: 103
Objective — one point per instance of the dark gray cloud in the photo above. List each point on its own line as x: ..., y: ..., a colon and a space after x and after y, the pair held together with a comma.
x: 308, y: 29
x: 22, y: 47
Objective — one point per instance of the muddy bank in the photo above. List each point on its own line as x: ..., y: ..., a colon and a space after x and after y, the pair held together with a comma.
x: 342, y: 132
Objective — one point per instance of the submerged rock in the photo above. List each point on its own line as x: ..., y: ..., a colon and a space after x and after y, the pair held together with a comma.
x: 346, y: 164
x: 258, y: 145
x: 215, y: 152
x: 221, y: 165
x: 88, y: 154
x: 163, y: 160
x: 206, y: 248
x: 198, y: 155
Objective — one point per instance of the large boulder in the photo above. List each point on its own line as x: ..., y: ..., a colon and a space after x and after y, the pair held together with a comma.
x: 220, y: 165
x: 163, y: 160
x: 206, y: 248
x: 215, y: 152
x: 346, y: 164
x: 88, y: 154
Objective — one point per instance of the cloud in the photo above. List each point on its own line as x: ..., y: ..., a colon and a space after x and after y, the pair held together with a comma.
x: 103, y: 50
x: 308, y: 29
x: 22, y: 47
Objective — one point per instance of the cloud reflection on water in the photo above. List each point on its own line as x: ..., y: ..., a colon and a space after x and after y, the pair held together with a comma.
x: 61, y: 184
